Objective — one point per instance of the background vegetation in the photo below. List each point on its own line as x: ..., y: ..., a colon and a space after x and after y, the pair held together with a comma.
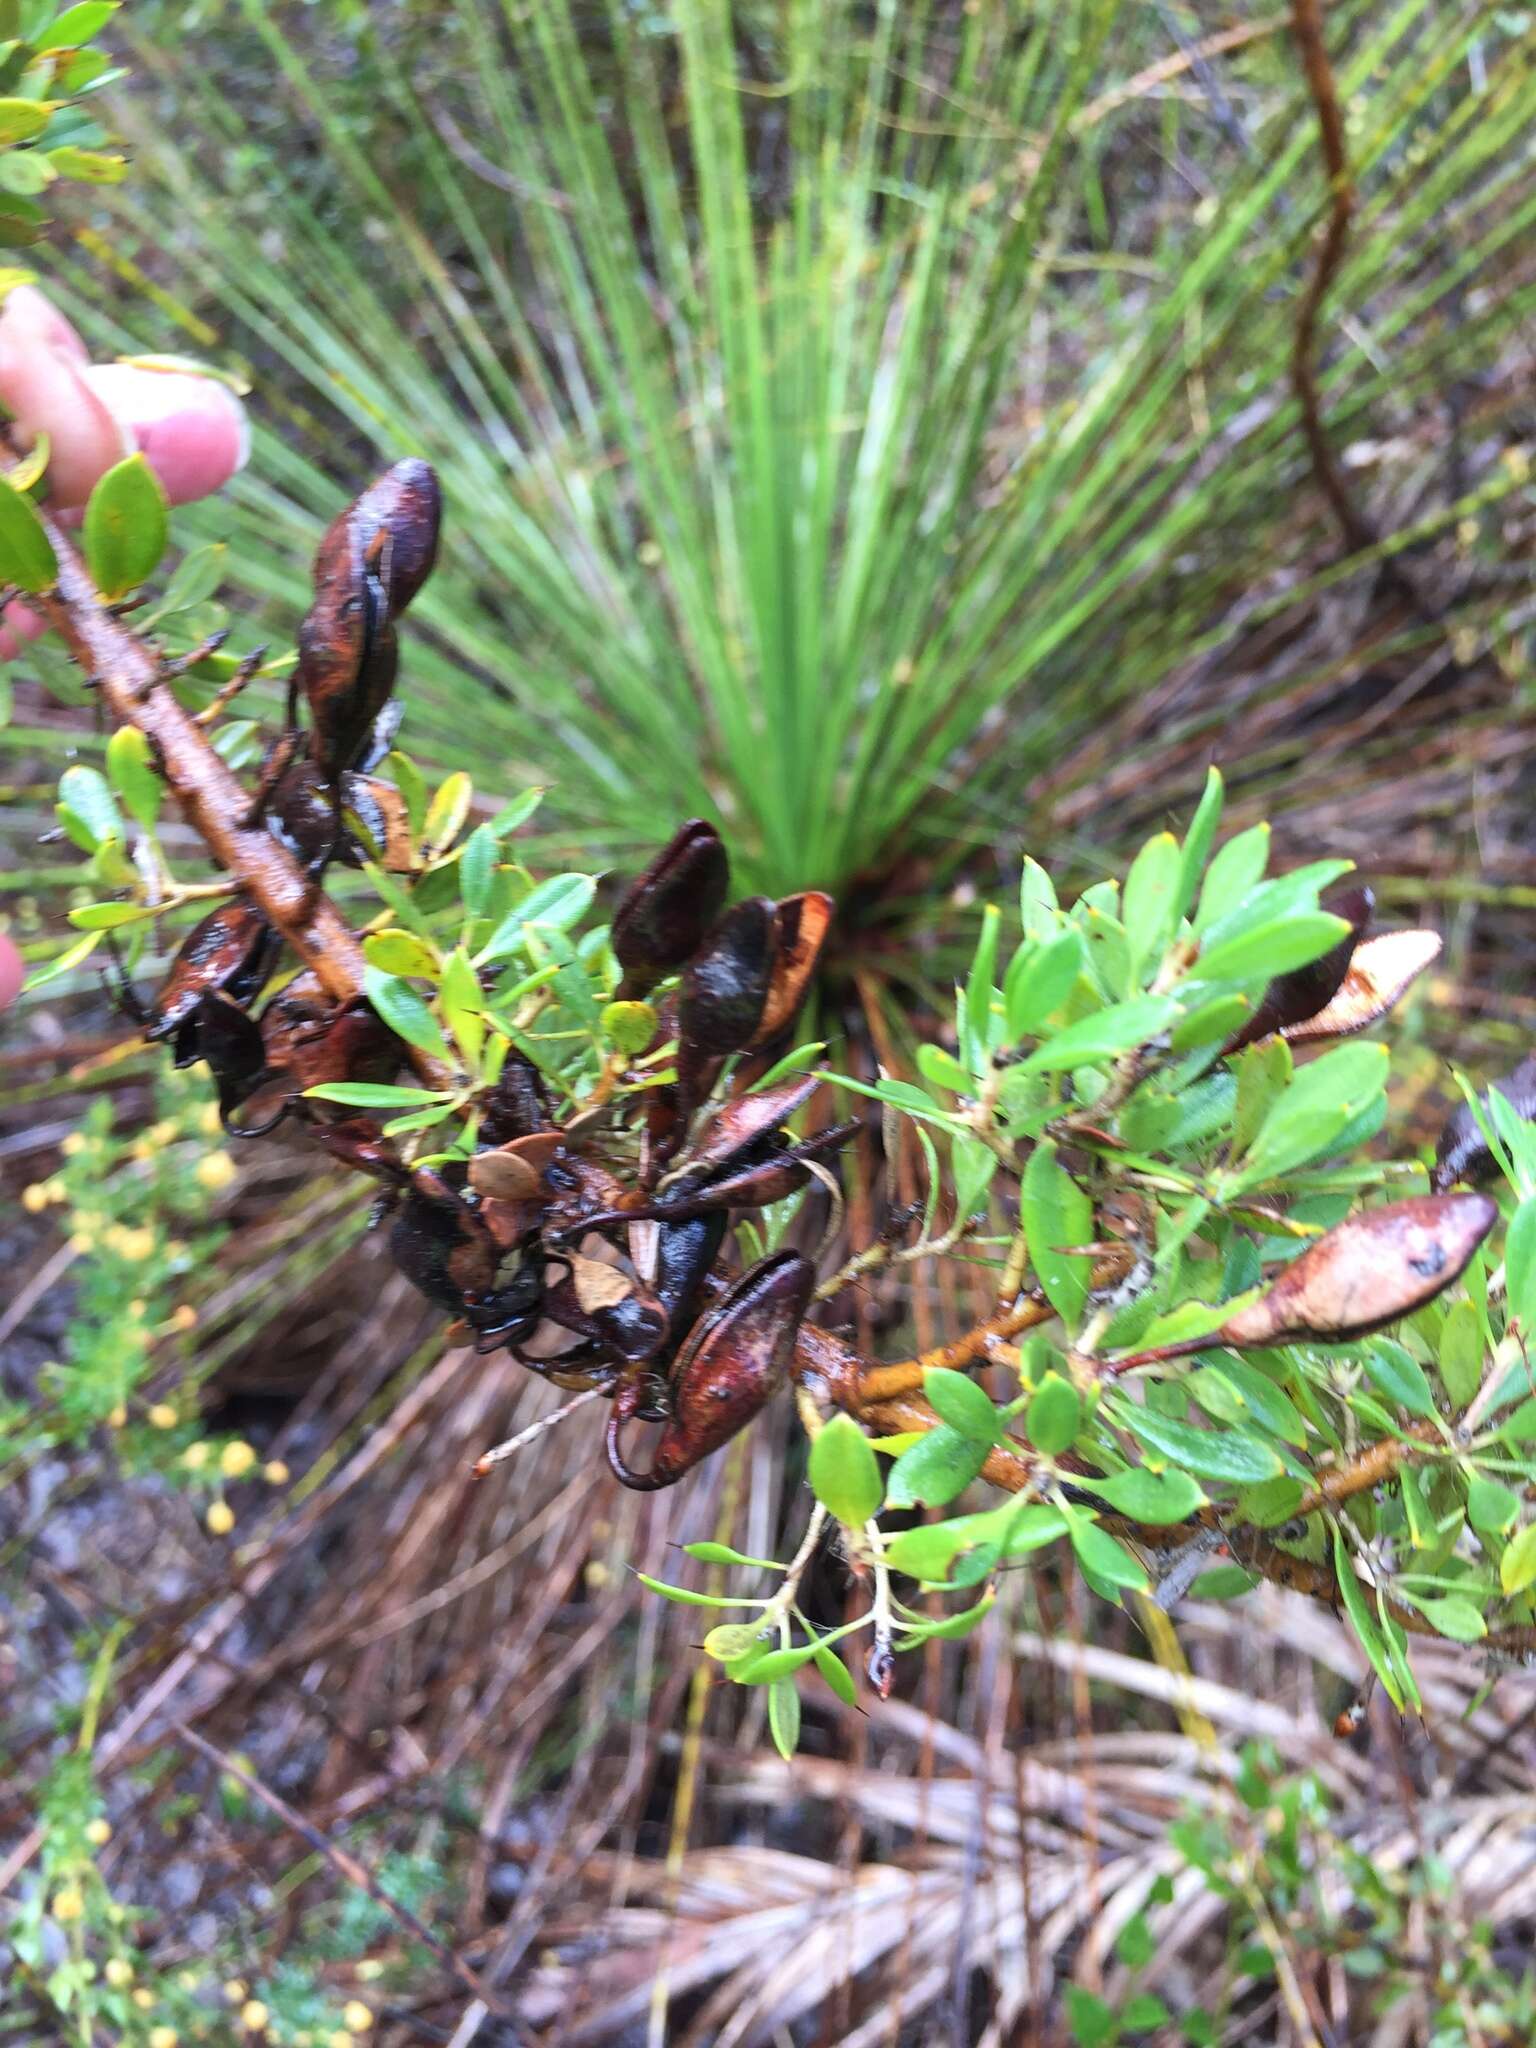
x: 876, y: 428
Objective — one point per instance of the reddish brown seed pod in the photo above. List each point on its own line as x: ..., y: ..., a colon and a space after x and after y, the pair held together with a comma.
x: 748, y: 1119
x: 399, y: 519
x: 348, y: 654
x: 726, y: 983
x: 1294, y: 998
x: 1367, y: 1272
x: 302, y: 813
x: 1462, y: 1152
x: 666, y: 911
x: 733, y: 1363
x: 230, y: 952
x: 605, y: 1305
x: 800, y: 928
x: 310, y: 1040
x: 1381, y: 971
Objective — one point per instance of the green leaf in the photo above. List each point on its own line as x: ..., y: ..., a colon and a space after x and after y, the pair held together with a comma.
x: 1520, y: 1266
x: 1038, y: 911
x: 784, y: 1717
x: 63, y: 963
x: 1146, y: 1496
x: 400, y: 952
x: 731, y: 1640
x: 463, y: 1005
x: 836, y: 1674
x: 935, y: 1470
x: 628, y: 1027
x: 1323, y: 1099
x: 126, y: 524
x: 84, y: 793
x: 953, y: 1626
x: 375, y: 1095
x: 1092, y: 2022
x: 1040, y: 978
x: 1237, y: 868
x: 1210, y: 1023
x: 76, y: 25
x: 1400, y: 1376
x: 1149, y: 902
x: 1055, y: 1212
x: 973, y: 1166
x: 1104, y: 1556
x: 1103, y: 1036
x: 1458, y: 1618
x: 1363, y: 1620
x: 1273, y: 948
x: 131, y: 771
x: 1491, y: 1506
x: 957, y: 1400
x: 722, y: 1553
x: 844, y: 1472
x: 1233, y: 1454
x: 404, y: 1011
x: 1054, y: 1415
x: 1012, y: 1530
x: 1144, y: 2012
x: 1517, y: 1567
x: 981, y: 1027
x: 477, y: 866
x: 21, y: 120
x: 1461, y: 1352
x: 88, y: 166
x: 107, y: 917
x: 26, y: 553
x: 554, y: 906
x: 944, y: 1070
x: 685, y: 1598
x: 1198, y: 840
x: 447, y: 813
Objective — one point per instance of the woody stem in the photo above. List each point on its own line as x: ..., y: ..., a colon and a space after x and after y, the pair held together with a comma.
x: 210, y: 797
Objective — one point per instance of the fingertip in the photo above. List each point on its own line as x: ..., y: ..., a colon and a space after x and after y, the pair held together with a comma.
x: 192, y: 430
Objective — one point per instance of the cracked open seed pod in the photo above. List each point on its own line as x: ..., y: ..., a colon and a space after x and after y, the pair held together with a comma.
x: 1462, y: 1152
x: 725, y: 984
x: 734, y: 1361
x: 667, y: 910
x: 1366, y: 1272
x: 1299, y: 995
x: 1381, y: 971
x: 230, y: 952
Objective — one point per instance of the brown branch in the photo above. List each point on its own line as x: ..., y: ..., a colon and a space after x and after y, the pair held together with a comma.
x: 211, y: 798
x: 1307, y: 26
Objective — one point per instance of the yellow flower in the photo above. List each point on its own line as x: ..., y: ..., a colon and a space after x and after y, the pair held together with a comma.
x: 162, y: 2037
x: 72, y: 1145
x: 67, y: 1903
x: 253, y: 2016
x: 357, y: 2015
x: 235, y: 1991
x: 98, y: 1832
x: 275, y: 1472
x: 118, y: 1417
x: 220, y: 1518
x: 162, y: 1416
x: 143, y: 1999
x: 35, y: 1198
x: 195, y: 1457
x: 118, y: 1973
x: 184, y: 1318
x: 236, y: 1459
x: 215, y: 1172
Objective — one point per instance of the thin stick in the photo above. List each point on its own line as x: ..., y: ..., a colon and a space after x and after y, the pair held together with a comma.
x: 514, y: 1444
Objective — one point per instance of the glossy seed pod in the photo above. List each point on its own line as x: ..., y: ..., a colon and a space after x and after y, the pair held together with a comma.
x: 230, y: 952
x: 624, y: 1321
x: 399, y: 520
x: 734, y: 1361
x: 725, y: 984
x: 517, y: 1105
x: 311, y: 1040
x: 748, y: 1119
x: 348, y: 654
x: 666, y: 911
x: 221, y: 1033
x: 800, y: 930
x: 1462, y: 1152
x: 435, y: 1243
x: 1381, y: 972
x: 302, y: 814
x: 1293, y: 997
x: 1366, y: 1272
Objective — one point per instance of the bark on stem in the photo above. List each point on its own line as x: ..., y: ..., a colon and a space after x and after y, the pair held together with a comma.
x: 210, y: 796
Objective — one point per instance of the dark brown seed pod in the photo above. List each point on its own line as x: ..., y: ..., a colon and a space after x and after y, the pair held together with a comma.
x: 1366, y: 1272
x: 1462, y: 1152
x: 800, y: 928
x: 377, y: 827
x: 230, y: 1041
x: 748, y: 1119
x: 605, y: 1305
x: 399, y: 518
x: 666, y: 911
x: 310, y: 1040
x: 726, y: 983
x: 1294, y: 997
x: 230, y: 952
x: 348, y: 655
x: 1381, y: 972
x: 734, y: 1361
